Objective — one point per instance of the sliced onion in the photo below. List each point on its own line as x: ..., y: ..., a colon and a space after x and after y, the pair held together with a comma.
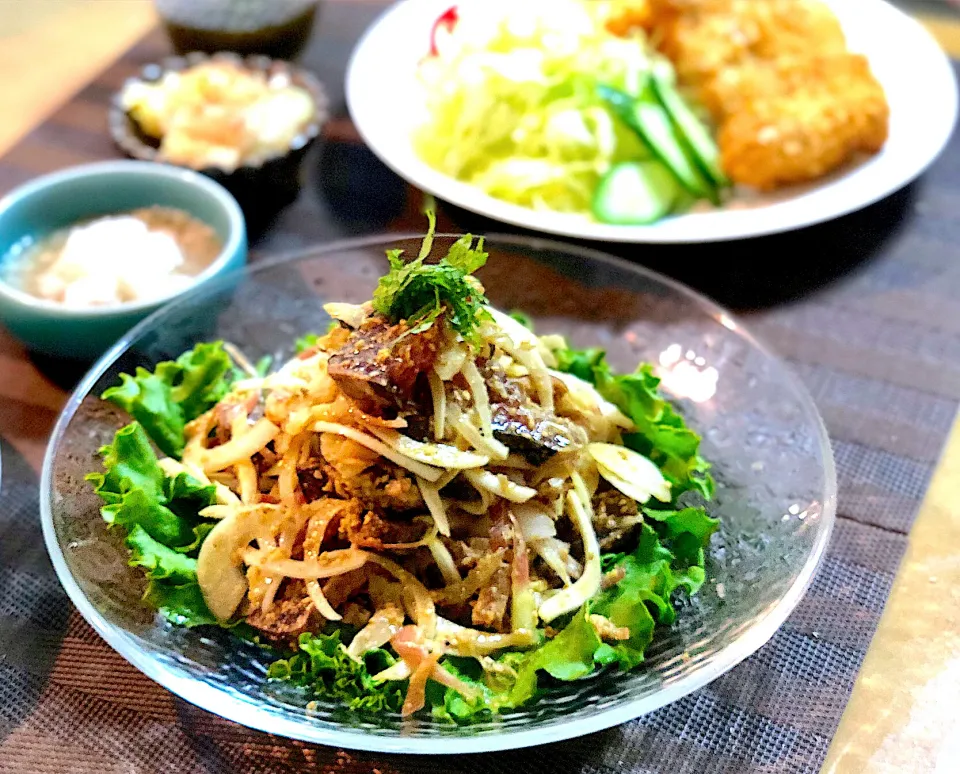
x: 630, y: 472
x: 326, y: 565
x: 417, y: 687
x: 440, y: 455
x: 513, y: 462
x: 439, y: 395
x: 352, y: 315
x: 380, y: 629
x: 421, y: 607
x: 491, y: 446
x: 424, y: 471
x: 220, y: 574
x: 549, y: 343
x: 556, y: 554
x: 450, y: 680
x: 409, y: 645
x: 477, y: 578
x: 525, y: 347
x: 575, y: 595
x: 523, y: 609
x: 320, y: 601
x: 462, y: 641
x: 287, y: 481
x: 534, y: 521
x: 237, y: 449
x: 448, y: 568
x: 450, y: 361
x: 500, y: 485
x: 434, y: 503
x: 583, y: 389
x: 481, y: 401
x: 399, y: 671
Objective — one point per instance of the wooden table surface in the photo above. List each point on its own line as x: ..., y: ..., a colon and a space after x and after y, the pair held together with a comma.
x: 902, y: 714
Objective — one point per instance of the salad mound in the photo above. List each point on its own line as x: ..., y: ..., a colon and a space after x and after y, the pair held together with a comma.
x: 427, y: 508
x: 563, y: 105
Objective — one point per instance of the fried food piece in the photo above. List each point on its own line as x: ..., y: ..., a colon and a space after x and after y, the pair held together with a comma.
x: 490, y: 607
x: 791, y: 103
x: 379, y: 363
x: 353, y: 471
x: 628, y: 15
x: 371, y: 530
x: 705, y: 37
x: 607, y: 630
x: 292, y: 614
x: 736, y: 88
x: 806, y: 119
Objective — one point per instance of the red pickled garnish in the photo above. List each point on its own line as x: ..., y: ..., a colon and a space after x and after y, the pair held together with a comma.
x: 447, y: 20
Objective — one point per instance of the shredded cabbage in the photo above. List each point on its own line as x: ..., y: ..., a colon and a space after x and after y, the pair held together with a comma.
x: 513, y: 102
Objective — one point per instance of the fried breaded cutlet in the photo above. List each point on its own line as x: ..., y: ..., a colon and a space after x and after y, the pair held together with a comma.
x: 705, y: 37
x: 790, y: 102
x: 791, y: 121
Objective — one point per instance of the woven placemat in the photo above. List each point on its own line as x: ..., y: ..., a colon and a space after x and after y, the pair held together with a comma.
x: 863, y: 308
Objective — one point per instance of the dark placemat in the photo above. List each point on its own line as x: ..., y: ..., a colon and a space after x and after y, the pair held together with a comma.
x: 865, y: 310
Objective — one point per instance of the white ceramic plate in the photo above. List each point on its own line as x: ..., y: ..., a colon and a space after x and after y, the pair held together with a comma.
x: 386, y: 103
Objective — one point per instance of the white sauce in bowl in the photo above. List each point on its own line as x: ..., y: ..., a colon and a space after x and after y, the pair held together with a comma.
x: 113, y: 260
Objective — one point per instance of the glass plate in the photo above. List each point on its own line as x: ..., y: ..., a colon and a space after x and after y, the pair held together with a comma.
x: 776, y: 485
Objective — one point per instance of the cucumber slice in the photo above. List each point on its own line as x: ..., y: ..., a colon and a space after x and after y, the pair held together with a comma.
x: 691, y: 130
x: 647, y: 117
x: 634, y: 193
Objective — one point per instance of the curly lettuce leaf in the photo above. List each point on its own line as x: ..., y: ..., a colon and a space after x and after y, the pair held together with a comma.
x: 449, y: 705
x: 658, y: 566
x: 158, y: 561
x: 568, y: 656
x: 200, y: 533
x: 418, y: 292
x: 138, y: 510
x: 577, y: 650
x: 159, y: 515
x: 185, y: 495
x: 181, y: 604
x: 176, y: 392
x: 582, y: 363
x: 129, y: 464
x: 322, y: 666
x: 687, y: 532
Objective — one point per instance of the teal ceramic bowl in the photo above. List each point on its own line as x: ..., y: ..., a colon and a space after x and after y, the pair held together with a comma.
x: 59, y: 200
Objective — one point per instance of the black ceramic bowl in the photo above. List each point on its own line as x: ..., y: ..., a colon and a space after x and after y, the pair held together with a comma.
x: 261, y: 187
x: 280, y: 30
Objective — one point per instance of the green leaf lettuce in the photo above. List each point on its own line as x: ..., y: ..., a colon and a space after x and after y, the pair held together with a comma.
x: 322, y: 665
x: 159, y: 515
x: 176, y: 392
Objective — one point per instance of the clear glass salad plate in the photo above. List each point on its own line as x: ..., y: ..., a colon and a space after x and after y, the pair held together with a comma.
x: 776, y: 486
